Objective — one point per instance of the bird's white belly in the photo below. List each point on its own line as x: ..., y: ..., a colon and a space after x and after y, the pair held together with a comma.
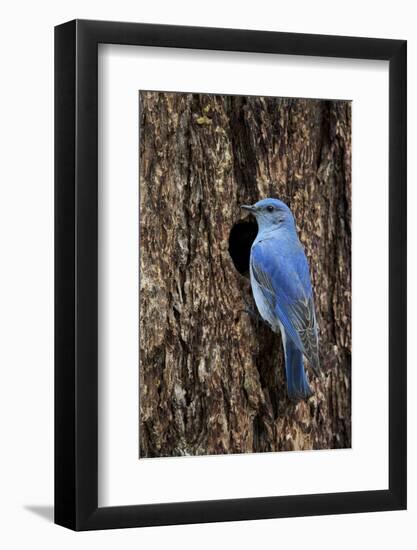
x: 262, y: 304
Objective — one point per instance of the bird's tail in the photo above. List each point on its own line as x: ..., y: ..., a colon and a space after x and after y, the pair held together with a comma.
x: 297, y: 383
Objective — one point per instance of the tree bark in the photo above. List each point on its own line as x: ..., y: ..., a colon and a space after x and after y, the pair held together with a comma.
x: 212, y: 375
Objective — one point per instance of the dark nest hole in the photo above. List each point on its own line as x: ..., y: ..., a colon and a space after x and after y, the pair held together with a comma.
x: 241, y: 237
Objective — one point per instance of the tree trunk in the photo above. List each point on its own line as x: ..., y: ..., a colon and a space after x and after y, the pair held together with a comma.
x: 212, y: 375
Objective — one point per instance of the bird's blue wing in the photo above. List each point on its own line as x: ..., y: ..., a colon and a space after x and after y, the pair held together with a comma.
x: 281, y: 273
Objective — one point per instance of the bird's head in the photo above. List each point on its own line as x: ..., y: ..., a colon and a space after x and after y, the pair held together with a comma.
x: 271, y: 213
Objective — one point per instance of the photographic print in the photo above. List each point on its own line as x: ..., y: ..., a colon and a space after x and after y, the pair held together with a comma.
x: 244, y: 274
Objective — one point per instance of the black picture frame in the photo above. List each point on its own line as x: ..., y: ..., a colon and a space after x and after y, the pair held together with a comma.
x: 76, y: 272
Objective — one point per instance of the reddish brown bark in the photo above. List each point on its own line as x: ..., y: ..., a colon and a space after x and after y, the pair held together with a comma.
x: 211, y: 376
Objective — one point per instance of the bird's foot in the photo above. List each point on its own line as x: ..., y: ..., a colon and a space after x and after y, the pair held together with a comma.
x: 253, y: 314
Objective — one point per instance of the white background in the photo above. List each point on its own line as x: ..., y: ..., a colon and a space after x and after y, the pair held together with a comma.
x: 122, y: 478
x: 26, y: 399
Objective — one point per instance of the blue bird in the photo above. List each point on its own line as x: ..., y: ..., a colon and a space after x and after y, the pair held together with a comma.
x: 281, y: 287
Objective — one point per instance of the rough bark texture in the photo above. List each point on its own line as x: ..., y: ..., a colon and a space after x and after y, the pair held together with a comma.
x: 212, y: 376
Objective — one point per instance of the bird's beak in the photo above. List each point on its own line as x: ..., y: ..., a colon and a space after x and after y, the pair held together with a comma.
x: 249, y: 208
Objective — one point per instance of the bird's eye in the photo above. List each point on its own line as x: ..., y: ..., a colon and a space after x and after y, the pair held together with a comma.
x: 270, y: 208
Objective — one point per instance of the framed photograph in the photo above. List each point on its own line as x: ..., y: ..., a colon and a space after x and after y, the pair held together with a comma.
x: 230, y: 245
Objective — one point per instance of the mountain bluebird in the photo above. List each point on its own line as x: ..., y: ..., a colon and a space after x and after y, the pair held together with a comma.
x: 281, y: 287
